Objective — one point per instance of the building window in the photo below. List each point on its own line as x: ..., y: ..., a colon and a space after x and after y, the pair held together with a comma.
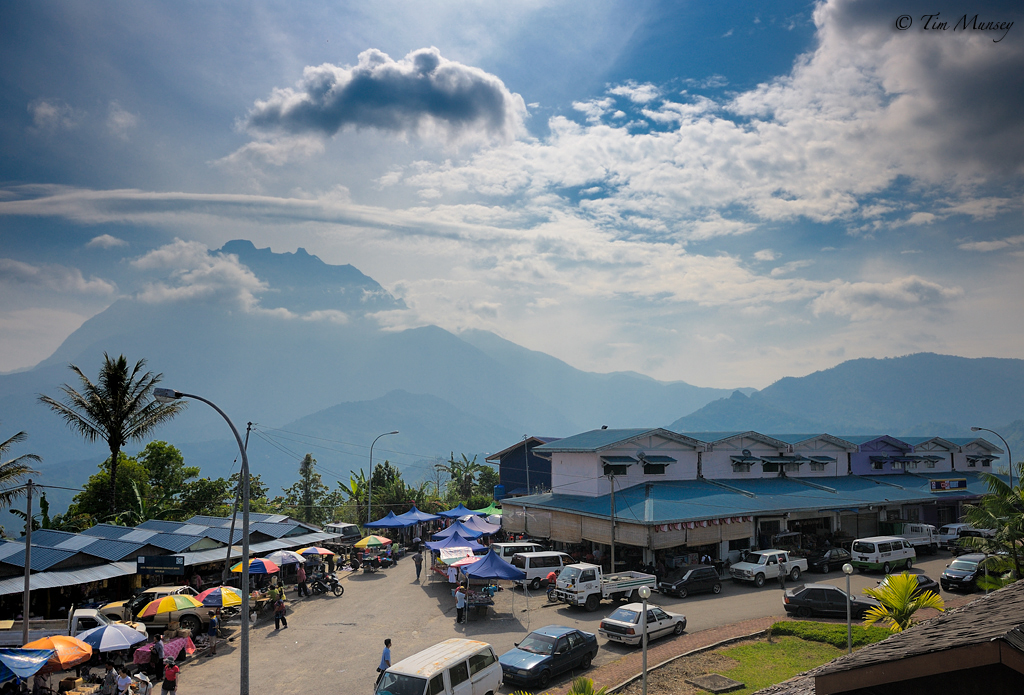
x: 770, y: 467
x: 816, y: 466
x: 654, y: 469
x: 740, y: 544
x: 929, y: 464
x: 972, y: 463
x: 877, y: 465
x: 609, y: 469
x: 741, y: 467
x: 791, y: 467
x: 985, y: 463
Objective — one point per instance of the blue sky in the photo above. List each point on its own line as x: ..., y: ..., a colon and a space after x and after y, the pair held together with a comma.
x: 722, y: 193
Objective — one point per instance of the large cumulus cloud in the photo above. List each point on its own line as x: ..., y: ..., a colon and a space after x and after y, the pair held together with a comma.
x: 422, y: 94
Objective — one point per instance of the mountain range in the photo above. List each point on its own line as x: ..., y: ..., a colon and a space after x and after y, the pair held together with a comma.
x: 313, y: 371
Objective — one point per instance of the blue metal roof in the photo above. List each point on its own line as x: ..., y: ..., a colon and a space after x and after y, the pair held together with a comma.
x: 163, y: 526
x: 115, y: 551
x: 173, y: 542
x: 213, y: 521
x: 710, y: 437
x: 48, y: 538
x: 271, y: 529
x: 43, y: 558
x: 108, y: 531
x: 221, y: 534
x: 595, y: 440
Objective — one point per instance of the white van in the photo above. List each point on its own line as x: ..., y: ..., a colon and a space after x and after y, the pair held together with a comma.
x: 453, y: 667
x: 951, y: 533
x: 538, y: 565
x: 507, y: 550
x: 884, y: 553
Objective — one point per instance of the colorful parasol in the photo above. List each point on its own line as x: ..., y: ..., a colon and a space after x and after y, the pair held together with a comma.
x: 373, y: 542
x: 22, y: 663
x: 111, y: 638
x: 169, y: 604
x: 67, y: 652
x: 258, y: 565
x: 316, y: 550
x: 220, y: 597
x: 286, y: 557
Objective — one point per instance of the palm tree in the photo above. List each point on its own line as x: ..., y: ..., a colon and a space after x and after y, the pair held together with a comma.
x: 1002, y: 510
x: 900, y: 599
x: 463, y: 475
x: 12, y: 472
x: 117, y: 408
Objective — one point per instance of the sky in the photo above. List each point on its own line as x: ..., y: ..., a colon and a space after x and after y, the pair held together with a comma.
x: 721, y: 193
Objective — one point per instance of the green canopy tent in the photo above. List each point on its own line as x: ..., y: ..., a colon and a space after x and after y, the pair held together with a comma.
x: 488, y: 510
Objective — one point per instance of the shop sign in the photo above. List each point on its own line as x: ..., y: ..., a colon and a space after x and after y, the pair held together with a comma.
x: 948, y: 484
x: 161, y: 564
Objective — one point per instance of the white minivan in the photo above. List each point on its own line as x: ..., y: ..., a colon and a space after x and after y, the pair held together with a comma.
x: 538, y: 565
x: 950, y: 533
x: 884, y: 553
x: 506, y: 550
x: 453, y: 667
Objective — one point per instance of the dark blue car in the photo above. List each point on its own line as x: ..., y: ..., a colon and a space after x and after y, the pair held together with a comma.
x: 546, y: 652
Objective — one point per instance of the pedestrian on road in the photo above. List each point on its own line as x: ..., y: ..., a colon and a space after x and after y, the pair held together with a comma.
x: 279, y: 612
x: 460, y: 604
x: 417, y: 560
x: 171, y: 672
x: 385, y: 662
x: 303, y: 589
x: 212, y: 632
x: 782, y: 574
x: 143, y: 686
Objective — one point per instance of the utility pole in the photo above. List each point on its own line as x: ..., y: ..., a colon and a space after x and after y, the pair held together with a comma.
x: 234, y: 513
x: 28, y: 562
x: 526, y: 457
x: 611, y: 477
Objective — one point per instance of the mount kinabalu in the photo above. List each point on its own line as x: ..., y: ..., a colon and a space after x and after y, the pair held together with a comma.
x: 320, y: 364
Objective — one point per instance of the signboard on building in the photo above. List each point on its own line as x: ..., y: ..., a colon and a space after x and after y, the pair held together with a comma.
x: 161, y: 564
x: 948, y: 484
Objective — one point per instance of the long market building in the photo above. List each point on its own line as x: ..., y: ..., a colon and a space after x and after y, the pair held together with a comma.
x: 698, y: 494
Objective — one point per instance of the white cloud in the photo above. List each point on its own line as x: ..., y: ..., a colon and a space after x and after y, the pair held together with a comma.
x: 875, y: 300
x: 105, y: 241
x: 53, y: 114
x: 120, y: 122
x: 194, y: 273
x: 994, y: 245
x: 637, y: 93
x: 765, y: 255
x: 53, y: 277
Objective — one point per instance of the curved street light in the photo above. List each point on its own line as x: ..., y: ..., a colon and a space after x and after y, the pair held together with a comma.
x: 1008, y: 454
x: 369, y: 485
x: 166, y: 396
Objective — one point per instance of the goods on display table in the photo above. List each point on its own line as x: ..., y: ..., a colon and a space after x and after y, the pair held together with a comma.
x: 172, y: 648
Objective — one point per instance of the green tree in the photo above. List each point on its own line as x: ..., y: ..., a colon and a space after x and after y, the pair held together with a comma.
x: 485, y: 482
x: 93, y: 501
x: 205, y: 496
x: 900, y: 599
x: 462, y: 476
x: 1003, y: 511
x: 308, y: 499
x: 357, y: 494
x: 168, y: 474
x: 117, y: 409
x: 14, y: 471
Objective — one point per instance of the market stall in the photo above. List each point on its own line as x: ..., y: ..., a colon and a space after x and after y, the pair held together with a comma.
x: 491, y: 568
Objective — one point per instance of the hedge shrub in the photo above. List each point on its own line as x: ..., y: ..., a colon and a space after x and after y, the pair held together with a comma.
x: 830, y: 633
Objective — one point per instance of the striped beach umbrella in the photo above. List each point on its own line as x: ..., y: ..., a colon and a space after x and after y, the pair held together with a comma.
x: 373, y: 542
x: 286, y: 557
x: 111, y: 638
x: 169, y: 604
x: 316, y: 550
x: 258, y: 565
x: 220, y: 597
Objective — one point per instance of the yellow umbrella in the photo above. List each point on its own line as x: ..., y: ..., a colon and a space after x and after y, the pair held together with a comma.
x: 373, y: 542
x: 169, y: 604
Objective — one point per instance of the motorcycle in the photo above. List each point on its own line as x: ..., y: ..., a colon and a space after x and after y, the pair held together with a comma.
x: 327, y: 584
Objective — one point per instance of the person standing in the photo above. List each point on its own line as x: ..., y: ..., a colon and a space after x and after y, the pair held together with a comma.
x: 303, y: 589
x: 417, y: 560
x: 143, y: 686
x: 156, y: 656
x: 171, y: 672
x: 212, y: 632
x: 109, y: 686
x: 197, y: 582
x: 385, y: 662
x: 460, y: 604
x: 124, y: 681
x: 279, y: 614
x: 782, y: 574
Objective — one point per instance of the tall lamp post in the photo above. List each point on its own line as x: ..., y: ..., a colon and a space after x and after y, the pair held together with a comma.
x: 369, y: 486
x: 166, y: 396
x: 848, y: 570
x: 645, y: 593
x: 1008, y: 454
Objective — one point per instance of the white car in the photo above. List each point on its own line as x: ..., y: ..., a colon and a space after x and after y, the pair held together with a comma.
x: 624, y: 624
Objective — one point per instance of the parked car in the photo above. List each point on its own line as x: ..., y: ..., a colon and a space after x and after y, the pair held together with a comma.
x: 963, y: 546
x: 690, y: 579
x: 924, y: 583
x: 828, y: 559
x: 193, y: 619
x: 824, y: 599
x: 962, y: 574
x: 623, y: 625
x: 546, y: 652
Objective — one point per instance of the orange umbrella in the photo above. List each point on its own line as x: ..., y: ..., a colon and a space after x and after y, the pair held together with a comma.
x: 67, y: 652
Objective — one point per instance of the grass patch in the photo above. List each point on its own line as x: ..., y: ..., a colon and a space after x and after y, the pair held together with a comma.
x: 830, y: 633
x: 763, y: 663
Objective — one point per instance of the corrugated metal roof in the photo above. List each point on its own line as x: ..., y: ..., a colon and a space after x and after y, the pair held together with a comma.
x: 78, y: 542
x: 532, y: 440
x: 8, y: 548
x: 139, y: 535
x: 49, y: 580
x: 162, y: 526
x: 218, y: 554
x: 108, y: 531
x: 272, y: 518
x: 173, y: 542
x: 221, y: 534
x: 272, y: 530
x: 48, y: 538
x: 115, y: 551
x: 595, y: 440
x: 42, y: 558
x: 711, y: 437
x: 214, y: 521
x: 191, y: 529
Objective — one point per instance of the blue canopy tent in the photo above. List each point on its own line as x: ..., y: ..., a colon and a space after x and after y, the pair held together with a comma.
x: 461, y: 510
x: 417, y: 516
x: 392, y: 520
x: 493, y: 567
x: 22, y: 664
x: 454, y: 541
x: 459, y: 528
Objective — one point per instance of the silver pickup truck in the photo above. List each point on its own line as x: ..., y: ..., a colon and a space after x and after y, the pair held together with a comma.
x: 759, y: 565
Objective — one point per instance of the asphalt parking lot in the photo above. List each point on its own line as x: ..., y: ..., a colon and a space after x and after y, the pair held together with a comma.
x: 333, y: 645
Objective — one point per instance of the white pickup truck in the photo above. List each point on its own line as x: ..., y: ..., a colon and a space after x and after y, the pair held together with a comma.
x: 80, y: 620
x: 759, y: 565
x: 584, y: 585
x: 922, y: 536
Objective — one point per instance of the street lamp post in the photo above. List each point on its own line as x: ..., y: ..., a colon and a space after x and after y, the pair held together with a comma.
x: 645, y: 593
x: 1009, y: 456
x: 848, y: 570
x: 369, y: 485
x: 166, y: 396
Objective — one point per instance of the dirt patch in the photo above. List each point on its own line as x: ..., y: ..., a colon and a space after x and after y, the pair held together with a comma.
x: 671, y: 678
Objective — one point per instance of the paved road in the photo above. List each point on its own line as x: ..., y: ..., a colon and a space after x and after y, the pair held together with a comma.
x: 333, y: 645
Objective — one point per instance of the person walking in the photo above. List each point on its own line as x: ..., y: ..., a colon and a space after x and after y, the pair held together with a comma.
x: 417, y: 560
x: 303, y: 589
x: 460, y: 604
x: 782, y: 574
x: 385, y: 662
x: 279, y: 614
x: 171, y: 673
x: 212, y: 632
